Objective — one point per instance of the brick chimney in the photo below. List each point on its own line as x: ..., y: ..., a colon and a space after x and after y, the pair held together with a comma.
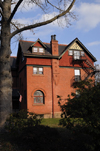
x: 54, y: 45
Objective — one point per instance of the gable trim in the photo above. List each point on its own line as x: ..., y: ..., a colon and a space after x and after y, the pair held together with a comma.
x: 84, y: 48
x: 38, y: 40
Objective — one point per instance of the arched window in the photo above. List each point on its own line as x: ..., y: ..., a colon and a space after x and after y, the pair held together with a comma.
x: 38, y: 97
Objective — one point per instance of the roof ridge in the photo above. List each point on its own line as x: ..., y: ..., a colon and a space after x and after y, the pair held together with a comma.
x: 43, y: 42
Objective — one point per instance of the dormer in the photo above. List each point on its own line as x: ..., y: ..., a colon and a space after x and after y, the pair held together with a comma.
x: 38, y: 47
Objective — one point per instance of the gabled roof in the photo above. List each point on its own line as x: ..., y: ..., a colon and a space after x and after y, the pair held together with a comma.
x: 25, y: 49
x: 81, y: 45
x: 38, y: 40
x: 26, y: 46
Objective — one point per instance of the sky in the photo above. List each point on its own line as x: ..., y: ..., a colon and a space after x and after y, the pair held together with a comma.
x: 86, y: 26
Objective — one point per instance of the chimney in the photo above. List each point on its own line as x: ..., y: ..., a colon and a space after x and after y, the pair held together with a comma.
x: 54, y: 45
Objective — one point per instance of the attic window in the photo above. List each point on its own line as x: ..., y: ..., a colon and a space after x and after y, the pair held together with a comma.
x: 70, y: 52
x: 37, y: 50
x: 41, y: 50
x: 82, y: 53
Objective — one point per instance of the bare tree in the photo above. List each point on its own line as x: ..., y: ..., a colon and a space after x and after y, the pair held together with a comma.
x: 63, y: 8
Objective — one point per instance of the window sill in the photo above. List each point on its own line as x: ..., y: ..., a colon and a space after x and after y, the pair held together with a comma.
x: 38, y: 104
x: 38, y: 75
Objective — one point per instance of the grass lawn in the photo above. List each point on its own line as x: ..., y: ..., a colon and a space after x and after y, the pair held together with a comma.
x: 51, y: 122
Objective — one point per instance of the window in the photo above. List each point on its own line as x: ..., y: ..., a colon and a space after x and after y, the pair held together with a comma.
x: 41, y: 50
x: 38, y: 97
x: 38, y: 50
x: 77, y: 75
x: 82, y: 53
x: 76, y: 55
x: 70, y: 52
x: 37, y: 70
x: 35, y: 49
x: 40, y: 70
x: 77, y: 93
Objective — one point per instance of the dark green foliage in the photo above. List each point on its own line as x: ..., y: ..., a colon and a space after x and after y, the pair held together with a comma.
x: 17, y: 122
x: 86, y: 108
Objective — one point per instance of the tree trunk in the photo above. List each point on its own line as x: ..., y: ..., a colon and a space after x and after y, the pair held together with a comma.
x: 5, y: 69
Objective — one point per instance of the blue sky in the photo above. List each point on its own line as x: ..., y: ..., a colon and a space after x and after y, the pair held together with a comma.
x: 86, y: 27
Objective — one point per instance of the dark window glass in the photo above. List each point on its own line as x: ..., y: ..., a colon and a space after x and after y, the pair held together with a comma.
x: 38, y: 97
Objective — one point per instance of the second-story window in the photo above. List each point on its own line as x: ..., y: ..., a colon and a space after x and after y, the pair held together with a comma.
x: 37, y: 70
x: 77, y: 75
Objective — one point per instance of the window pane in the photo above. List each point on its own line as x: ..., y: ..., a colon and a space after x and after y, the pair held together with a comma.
x: 35, y: 49
x: 82, y: 53
x: 34, y: 99
x: 41, y: 99
x: 76, y: 55
x: 40, y: 70
x: 41, y: 50
x: 34, y: 70
x: 38, y: 93
x: 38, y: 97
x: 77, y: 72
x: 70, y: 52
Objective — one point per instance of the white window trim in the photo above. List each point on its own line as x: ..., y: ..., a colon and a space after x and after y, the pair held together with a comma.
x: 38, y: 70
x: 77, y: 72
x: 39, y: 50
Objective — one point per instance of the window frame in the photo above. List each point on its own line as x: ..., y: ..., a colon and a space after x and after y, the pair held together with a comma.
x: 77, y: 76
x: 38, y: 50
x: 38, y: 71
x: 69, y: 52
x: 76, y: 57
x: 33, y: 49
x: 37, y: 98
x: 82, y: 55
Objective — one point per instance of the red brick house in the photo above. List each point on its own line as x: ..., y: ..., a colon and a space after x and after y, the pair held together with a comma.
x: 41, y: 71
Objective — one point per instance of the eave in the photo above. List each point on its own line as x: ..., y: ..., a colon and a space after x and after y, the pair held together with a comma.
x: 40, y: 56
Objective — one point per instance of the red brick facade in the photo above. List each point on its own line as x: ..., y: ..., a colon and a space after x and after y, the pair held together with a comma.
x: 56, y: 78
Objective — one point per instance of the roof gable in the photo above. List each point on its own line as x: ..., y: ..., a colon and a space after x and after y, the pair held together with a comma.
x: 77, y: 45
x: 38, y: 40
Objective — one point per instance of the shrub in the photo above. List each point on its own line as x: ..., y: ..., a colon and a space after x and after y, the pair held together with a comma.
x: 21, y: 120
x: 85, y: 106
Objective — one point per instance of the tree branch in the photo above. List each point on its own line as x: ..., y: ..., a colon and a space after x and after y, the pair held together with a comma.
x: 44, y: 22
x: 14, y: 11
x: 53, y: 5
x: 14, y: 25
